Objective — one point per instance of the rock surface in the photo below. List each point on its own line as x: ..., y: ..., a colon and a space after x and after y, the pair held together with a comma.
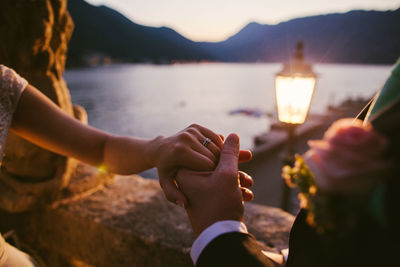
x: 34, y: 39
x: 129, y: 223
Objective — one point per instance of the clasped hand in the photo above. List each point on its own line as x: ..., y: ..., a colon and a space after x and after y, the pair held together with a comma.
x: 219, y: 194
x: 185, y: 150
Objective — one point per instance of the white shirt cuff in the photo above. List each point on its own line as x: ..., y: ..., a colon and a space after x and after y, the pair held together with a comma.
x: 285, y: 254
x: 211, y: 232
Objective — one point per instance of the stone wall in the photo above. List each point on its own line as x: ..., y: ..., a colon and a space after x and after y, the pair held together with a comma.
x: 34, y: 37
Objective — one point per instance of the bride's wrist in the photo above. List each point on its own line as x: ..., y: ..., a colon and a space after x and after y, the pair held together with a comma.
x: 153, y: 150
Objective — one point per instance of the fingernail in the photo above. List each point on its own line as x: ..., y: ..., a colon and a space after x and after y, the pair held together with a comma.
x: 180, y: 203
x: 234, y: 139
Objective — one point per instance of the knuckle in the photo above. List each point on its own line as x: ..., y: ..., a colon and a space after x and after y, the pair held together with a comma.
x: 179, y: 148
x: 230, y: 151
x: 185, y: 136
x: 192, y: 130
x: 194, y: 125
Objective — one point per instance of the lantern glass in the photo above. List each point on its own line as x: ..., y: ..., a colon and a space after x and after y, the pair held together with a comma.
x: 293, y: 97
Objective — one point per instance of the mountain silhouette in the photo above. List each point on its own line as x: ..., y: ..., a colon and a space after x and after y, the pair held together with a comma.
x: 102, y: 31
x: 353, y: 37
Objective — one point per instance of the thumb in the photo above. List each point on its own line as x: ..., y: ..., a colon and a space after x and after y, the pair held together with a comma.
x: 228, y: 161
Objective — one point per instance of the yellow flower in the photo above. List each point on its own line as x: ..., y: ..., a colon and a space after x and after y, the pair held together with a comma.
x: 310, y: 219
x: 303, y: 200
x: 312, y: 190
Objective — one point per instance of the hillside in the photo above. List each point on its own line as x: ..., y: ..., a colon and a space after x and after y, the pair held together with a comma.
x: 103, y: 32
x: 353, y: 37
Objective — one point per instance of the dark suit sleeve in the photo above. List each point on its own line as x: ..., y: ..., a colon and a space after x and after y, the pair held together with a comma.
x: 233, y: 249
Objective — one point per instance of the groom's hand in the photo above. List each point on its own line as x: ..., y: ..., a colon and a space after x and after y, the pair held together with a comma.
x: 218, y: 195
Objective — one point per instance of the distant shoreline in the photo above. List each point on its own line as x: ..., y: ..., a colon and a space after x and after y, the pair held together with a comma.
x: 214, y: 62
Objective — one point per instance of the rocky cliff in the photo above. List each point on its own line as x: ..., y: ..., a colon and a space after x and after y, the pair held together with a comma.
x: 34, y: 37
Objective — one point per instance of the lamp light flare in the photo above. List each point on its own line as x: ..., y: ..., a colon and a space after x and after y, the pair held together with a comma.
x: 293, y: 97
x: 294, y: 88
x: 102, y: 168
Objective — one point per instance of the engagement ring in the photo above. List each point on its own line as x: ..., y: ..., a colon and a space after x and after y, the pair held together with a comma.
x: 206, y: 142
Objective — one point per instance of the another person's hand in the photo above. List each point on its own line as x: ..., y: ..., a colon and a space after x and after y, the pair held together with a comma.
x: 349, y: 158
x: 218, y: 195
x: 186, y: 150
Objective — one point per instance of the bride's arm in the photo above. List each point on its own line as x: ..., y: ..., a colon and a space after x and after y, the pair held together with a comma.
x: 40, y: 121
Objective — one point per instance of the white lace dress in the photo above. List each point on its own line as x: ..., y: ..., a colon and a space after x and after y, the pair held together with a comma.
x: 11, y: 87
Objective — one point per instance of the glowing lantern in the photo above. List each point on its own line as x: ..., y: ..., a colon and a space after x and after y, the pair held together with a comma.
x: 294, y: 89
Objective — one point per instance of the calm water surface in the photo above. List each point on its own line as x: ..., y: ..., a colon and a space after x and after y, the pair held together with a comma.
x: 151, y: 100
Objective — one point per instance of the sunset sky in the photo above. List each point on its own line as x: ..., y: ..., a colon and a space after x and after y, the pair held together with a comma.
x: 215, y: 20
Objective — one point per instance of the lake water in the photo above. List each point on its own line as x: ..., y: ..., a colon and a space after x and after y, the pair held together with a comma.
x: 151, y: 100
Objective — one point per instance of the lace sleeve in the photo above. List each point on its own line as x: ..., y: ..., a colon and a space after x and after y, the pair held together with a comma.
x: 3, y: 251
x: 11, y: 87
